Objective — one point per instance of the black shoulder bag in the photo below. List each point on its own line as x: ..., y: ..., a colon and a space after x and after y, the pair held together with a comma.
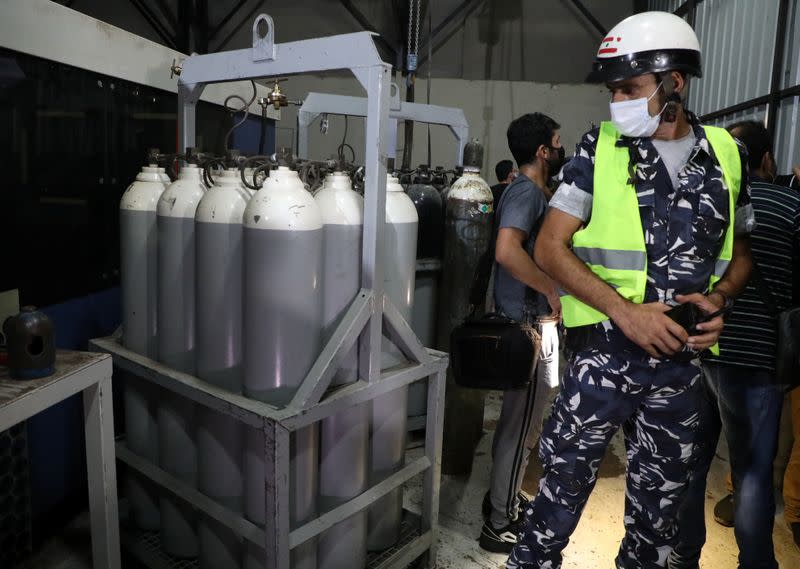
x: 787, y: 324
x: 491, y: 351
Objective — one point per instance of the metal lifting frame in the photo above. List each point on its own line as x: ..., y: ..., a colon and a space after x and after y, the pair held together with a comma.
x: 316, y: 104
x: 369, y: 312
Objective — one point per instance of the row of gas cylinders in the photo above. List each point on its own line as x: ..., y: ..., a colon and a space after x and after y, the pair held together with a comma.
x: 242, y: 289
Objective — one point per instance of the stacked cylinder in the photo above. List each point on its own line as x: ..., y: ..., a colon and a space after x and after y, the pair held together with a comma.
x: 176, y: 349
x: 139, y: 283
x: 243, y: 289
x: 220, y: 262
x: 467, y: 235
x: 344, y: 437
x: 389, y: 412
x: 283, y: 336
x: 427, y: 200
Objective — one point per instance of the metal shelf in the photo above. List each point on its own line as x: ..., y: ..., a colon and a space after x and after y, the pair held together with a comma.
x: 88, y: 375
x: 145, y: 547
x: 277, y: 422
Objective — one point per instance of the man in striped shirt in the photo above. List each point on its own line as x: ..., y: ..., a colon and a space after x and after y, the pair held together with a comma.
x: 743, y: 398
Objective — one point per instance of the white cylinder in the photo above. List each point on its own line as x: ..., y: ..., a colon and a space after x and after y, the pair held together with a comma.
x: 389, y: 412
x: 176, y: 349
x: 220, y: 255
x: 344, y: 437
x: 139, y: 284
x: 282, y: 337
x: 162, y: 174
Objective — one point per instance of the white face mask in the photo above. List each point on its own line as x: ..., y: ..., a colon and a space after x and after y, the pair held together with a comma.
x: 632, y: 118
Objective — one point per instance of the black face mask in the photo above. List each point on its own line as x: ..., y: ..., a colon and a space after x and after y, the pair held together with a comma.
x: 556, y: 160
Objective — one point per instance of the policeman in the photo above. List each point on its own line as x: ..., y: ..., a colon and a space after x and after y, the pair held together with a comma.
x: 653, y: 212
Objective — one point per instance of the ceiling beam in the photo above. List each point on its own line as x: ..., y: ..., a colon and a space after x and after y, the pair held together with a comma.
x: 218, y: 28
x: 686, y: 7
x: 243, y: 22
x: 600, y: 28
x: 364, y: 22
x: 155, y: 23
x: 445, y: 29
x: 777, y: 67
x: 171, y: 18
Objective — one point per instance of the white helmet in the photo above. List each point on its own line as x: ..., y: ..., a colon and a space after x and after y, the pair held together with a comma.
x: 649, y: 42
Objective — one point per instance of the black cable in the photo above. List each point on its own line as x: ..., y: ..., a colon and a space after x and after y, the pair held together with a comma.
x: 207, y: 177
x: 263, y: 130
x: 265, y: 168
x: 265, y: 161
x: 340, y: 149
x: 245, y: 108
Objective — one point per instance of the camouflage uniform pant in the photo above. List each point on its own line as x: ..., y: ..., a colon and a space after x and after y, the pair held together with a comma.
x: 656, y: 403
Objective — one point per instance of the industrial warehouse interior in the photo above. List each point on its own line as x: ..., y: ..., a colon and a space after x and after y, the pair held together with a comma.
x: 350, y: 284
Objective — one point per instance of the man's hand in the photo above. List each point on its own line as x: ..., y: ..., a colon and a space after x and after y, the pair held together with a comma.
x: 554, y: 300
x: 796, y: 171
x: 711, y: 329
x: 649, y: 328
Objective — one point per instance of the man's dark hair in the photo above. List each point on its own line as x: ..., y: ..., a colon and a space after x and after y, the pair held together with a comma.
x: 503, y: 169
x: 755, y: 136
x: 528, y: 132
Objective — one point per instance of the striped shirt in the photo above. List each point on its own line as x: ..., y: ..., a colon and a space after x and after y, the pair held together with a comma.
x: 749, y: 336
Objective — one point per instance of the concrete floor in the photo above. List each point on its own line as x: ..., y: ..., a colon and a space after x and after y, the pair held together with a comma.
x: 594, y: 544
x: 596, y: 540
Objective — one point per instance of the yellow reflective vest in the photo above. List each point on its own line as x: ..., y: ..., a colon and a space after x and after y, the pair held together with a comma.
x: 612, y: 244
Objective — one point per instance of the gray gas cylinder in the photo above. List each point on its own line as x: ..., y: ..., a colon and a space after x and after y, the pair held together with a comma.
x: 176, y: 349
x: 139, y: 283
x: 468, y: 230
x: 344, y: 437
x: 428, y: 202
x: 220, y: 438
x: 389, y: 412
x: 283, y: 238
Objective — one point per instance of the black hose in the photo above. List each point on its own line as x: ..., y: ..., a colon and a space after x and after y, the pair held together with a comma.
x: 265, y: 168
x: 245, y: 108
x: 263, y: 136
x: 343, y: 145
x: 207, y: 177
x: 265, y: 161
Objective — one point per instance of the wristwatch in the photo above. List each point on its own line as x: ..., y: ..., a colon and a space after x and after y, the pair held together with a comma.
x: 727, y: 301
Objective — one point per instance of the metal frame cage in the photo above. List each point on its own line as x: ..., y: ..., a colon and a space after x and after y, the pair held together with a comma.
x: 369, y: 314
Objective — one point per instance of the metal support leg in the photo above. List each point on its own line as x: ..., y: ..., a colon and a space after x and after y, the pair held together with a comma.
x: 276, y: 480
x: 98, y: 412
x: 188, y: 95
x: 433, y: 450
x: 376, y: 81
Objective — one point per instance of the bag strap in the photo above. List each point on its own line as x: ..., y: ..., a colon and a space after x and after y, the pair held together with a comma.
x: 764, y: 291
x: 483, y: 271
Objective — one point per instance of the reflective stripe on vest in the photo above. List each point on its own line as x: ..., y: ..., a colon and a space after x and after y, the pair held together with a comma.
x: 611, y: 258
x: 612, y: 244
